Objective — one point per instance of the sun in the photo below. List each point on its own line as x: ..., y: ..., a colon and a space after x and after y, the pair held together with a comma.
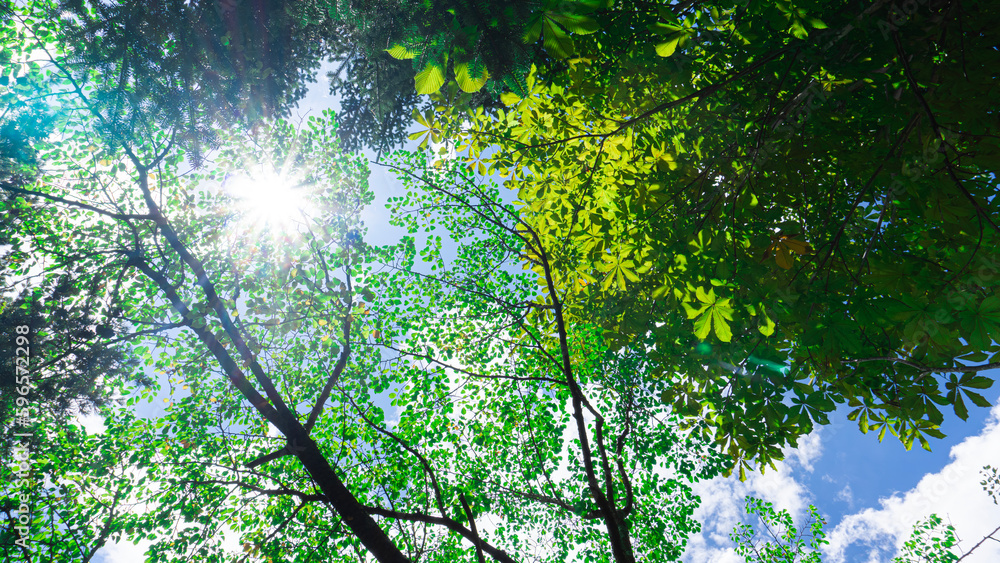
x: 268, y: 200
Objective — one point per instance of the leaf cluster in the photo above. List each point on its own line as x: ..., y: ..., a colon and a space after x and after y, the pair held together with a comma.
x: 719, y: 193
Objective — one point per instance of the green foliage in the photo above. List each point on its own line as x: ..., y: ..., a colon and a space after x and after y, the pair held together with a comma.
x: 930, y: 542
x: 388, y: 52
x: 476, y: 50
x: 478, y: 414
x: 777, y: 540
x: 63, y: 351
x: 323, y: 397
x: 795, y: 205
x: 789, y: 545
x: 991, y: 482
x: 702, y: 230
x: 189, y: 66
x: 26, y: 119
x: 64, y: 358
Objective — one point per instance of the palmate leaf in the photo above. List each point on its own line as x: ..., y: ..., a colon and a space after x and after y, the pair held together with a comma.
x: 555, y: 26
x: 716, y: 313
x: 576, y: 23
x: 556, y: 41
x: 673, y: 34
x: 431, y: 134
x: 959, y: 386
x: 534, y: 30
x: 983, y: 325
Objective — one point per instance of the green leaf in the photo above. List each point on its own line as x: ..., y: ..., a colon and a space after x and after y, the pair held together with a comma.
x: 975, y: 381
x: 668, y: 47
x: 767, y: 328
x: 978, y: 399
x: 960, y: 409
x: 719, y: 318
x: 576, y: 23
x: 534, y: 31
x: 557, y: 43
x: 401, y: 52
x: 510, y: 99
x: 702, y: 326
x: 430, y: 79
x: 468, y: 83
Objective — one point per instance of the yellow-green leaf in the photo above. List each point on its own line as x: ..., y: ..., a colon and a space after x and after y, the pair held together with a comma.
x: 510, y: 98
x: 767, y: 329
x: 401, y: 52
x: 691, y: 311
x: 667, y: 48
x: 467, y: 82
x: 702, y: 326
x: 429, y: 80
x: 719, y: 318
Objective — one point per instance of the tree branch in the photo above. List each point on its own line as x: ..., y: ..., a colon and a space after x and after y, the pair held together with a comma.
x: 335, y: 376
x: 472, y: 524
x: 923, y: 368
x: 452, y: 525
x: 981, y: 542
x: 77, y: 204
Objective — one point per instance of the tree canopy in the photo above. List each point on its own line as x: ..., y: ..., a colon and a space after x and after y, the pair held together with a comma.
x: 728, y: 221
x: 281, y: 352
x: 794, y: 209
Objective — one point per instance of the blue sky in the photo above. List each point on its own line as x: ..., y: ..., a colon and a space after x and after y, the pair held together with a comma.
x: 871, y: 494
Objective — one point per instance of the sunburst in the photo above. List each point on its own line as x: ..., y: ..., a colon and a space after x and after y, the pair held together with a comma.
x: 268, y: 200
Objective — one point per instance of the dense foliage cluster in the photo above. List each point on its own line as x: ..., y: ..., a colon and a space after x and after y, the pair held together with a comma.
x: 805, y: 221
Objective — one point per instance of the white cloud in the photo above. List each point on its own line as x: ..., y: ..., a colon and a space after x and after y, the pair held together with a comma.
x: 954, y: 494
x: 846, y: 495
x: 722, y: 501
x: 810, y: 449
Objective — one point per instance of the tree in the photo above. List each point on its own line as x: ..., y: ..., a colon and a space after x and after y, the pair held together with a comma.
x: 792, y: 204
x: 790, y: 544
x: 48, y: 325
x: 62, y: 358
x: 389, y: 53
x: 208, y: 64
x: 515, y: 434
x: 931, y: 541
x: 25, y: 119
x: 191, y: 67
